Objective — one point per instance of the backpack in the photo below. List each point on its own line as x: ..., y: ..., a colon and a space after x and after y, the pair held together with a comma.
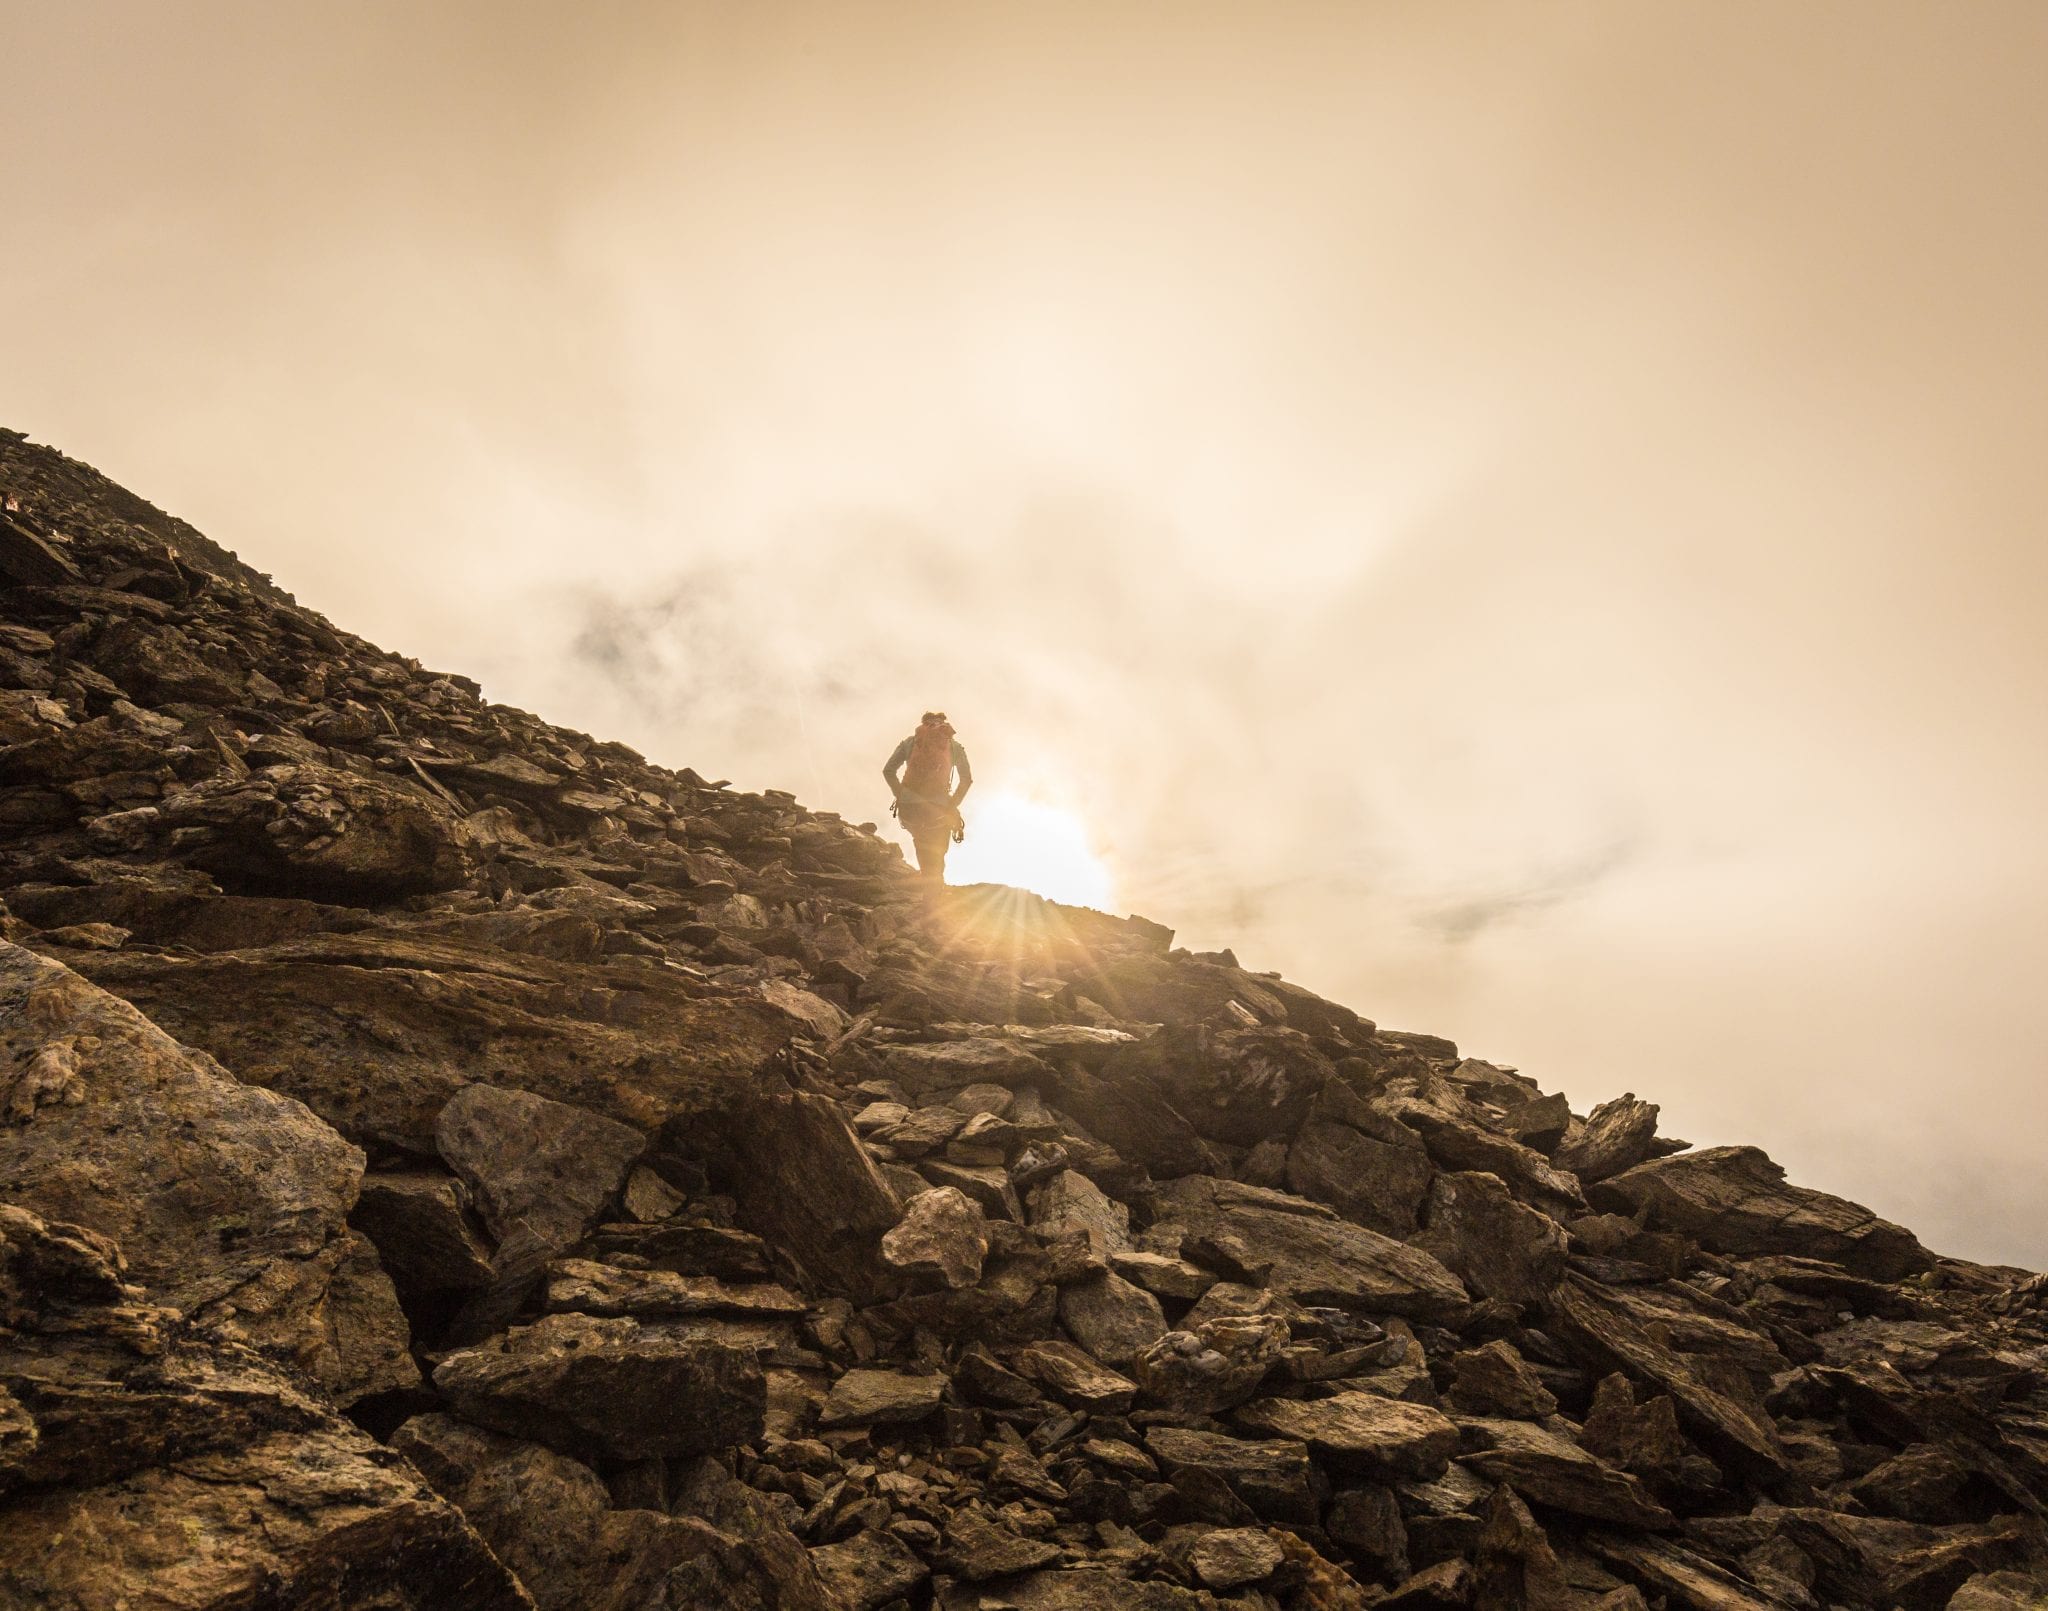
x: 928, y: 774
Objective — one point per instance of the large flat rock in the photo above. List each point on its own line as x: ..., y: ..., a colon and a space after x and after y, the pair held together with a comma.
x: 376, y: 1031
x: 1317, y: 1258
x: 1362, y: 1432
x: 611, y: 1387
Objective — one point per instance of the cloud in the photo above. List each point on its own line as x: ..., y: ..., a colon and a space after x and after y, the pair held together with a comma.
x: 1530, y: 530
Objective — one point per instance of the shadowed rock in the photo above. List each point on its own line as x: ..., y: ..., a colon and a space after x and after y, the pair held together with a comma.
x: 1501, y: 1248
x: 1372, y: 1169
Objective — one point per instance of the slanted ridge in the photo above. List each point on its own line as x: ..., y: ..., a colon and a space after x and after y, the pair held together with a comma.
x: 449, y: 1161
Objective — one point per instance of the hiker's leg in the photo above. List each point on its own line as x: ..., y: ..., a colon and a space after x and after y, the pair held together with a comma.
x: 931, y: 854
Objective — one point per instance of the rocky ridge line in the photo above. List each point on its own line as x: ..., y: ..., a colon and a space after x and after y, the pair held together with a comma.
x: 447, y: 1161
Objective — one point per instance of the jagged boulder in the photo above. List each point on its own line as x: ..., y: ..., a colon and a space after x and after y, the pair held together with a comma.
x: 228, y: 1201
x: 1616, y: 1135
x: 1372, y: 1169
x: 941, y: 1237
x: 804, y: 1183
x: 1550, y: 1469
x: 1736, y: 1200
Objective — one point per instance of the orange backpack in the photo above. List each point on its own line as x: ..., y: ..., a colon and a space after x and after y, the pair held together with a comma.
x: 928, y: 774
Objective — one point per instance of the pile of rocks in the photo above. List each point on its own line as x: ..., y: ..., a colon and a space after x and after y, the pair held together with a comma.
x: 450, y: 1162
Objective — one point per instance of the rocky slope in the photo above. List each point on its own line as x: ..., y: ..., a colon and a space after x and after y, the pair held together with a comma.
x: 448, y: 1162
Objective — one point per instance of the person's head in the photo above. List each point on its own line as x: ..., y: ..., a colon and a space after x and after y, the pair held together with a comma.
x: 933, y: 717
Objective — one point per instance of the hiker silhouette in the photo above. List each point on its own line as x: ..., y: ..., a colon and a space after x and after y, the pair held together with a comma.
x: 927, y: 800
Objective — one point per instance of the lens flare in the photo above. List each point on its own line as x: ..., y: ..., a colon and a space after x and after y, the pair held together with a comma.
x: 1014, y: 840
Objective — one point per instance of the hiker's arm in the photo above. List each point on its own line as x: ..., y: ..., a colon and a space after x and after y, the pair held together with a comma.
x: 966, y: 774
x: 894, y: 765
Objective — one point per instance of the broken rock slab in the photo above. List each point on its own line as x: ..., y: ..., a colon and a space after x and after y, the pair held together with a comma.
x: 1163, y: 1274
x: 803, y: 1182
x: 1372, y: 1169
x: 1603, y: 1334
x: 1616, y: 1135
x: 1111, y: 1318
x: 1239, y: 1086
x: 421, y: 1226
x: 1273, y: 1477
x: 543, y: 1167
x: 1547, y: 1468
x: 615, y: 1388
x: 588, y: 1287
x: 1071, y: 1201
x: 977, y: 1547
x: 868, y: 1570
x: 1458, y: 1139
x: 1494, y: 1379
x: 948, y: 1065
x: 1231, y: 1557
x: 1069, y: 1374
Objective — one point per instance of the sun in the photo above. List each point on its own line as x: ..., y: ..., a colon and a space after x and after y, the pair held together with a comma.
x: 1014, y: 840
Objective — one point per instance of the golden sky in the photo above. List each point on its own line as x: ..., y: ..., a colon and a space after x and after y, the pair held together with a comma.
x: 1527, y: 518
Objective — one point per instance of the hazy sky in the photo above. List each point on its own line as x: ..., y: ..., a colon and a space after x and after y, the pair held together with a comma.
x: 1527, y: 518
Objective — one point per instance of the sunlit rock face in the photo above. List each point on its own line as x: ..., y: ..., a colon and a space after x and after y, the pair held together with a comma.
x: 449, y: 1161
